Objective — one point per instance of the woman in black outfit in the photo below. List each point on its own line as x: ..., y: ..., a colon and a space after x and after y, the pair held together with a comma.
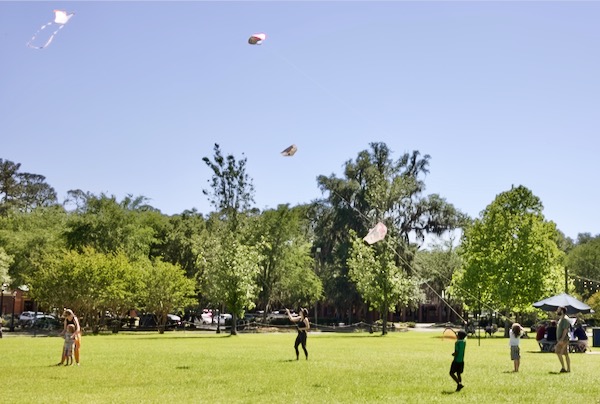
x: 303, y: 326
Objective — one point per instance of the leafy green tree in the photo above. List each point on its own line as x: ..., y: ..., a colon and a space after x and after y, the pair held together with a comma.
x: 88, y: 281
x: 231, y: 190
x: 5, y: 261
x: 286, y: 269
x: 381, y: 282
x: 28, y: 236
x: 181, y: 242
x: 165, y: 289
x: 110, y: 226
x: 231, y: 264
x: 583, y: 263
x: 510, y: 255
x: 377, y: 188
x: 230, y: 275
x: 23, y: 191
x: 436, y: 267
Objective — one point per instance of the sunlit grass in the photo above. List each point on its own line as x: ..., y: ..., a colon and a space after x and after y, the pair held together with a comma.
x: 249, y: 368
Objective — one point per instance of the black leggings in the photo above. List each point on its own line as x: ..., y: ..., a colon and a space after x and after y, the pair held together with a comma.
x: 301, y: 339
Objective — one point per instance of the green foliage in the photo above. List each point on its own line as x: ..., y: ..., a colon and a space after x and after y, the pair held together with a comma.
x: 510, y: 255
x: 377, y: 188
x: 230, y: 272
x: 583, y: 262
x: 286, y: 274
x: 28, y: 236
x: 231, y: 189
x: 165, y: 289
x: 381, y: 283
x: 89, y: 282
x: 5, y: 261
x: 110, y: 226
x: 22, y: 192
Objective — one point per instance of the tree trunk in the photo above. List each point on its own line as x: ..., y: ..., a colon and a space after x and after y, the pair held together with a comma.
x: 233, y: 324
x: 385, y: 321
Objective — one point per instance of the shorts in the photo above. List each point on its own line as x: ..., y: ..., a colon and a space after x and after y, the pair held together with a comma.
x: 562, y: 347
x: 515, y: 353
x: 457, y: 367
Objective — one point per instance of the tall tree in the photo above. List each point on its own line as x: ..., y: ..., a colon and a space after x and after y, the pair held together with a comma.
x: 23, y: 191
x: 231, y: 264
x: 380, y: 281
x: 510, y: 255
x: 231, y: 190
x: 377, y: 188
x: 287, y: 266
x: 165, y: 289
x: 230, y: 273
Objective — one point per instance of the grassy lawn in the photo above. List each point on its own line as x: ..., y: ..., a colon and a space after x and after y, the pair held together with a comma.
x: 191, y: 367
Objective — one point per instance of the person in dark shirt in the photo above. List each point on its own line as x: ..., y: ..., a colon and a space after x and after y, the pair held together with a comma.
x: 303, y: 326
x: 582, y: 338
x: 551, y: 332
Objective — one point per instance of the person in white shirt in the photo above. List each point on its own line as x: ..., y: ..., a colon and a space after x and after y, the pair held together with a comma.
x: 515, y: 333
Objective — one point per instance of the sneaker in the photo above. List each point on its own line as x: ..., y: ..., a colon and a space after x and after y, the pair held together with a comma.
x: 459, y: 387
x: 563, y: 370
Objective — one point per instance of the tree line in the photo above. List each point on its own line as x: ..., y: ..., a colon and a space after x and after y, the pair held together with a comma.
x: 97, y: 254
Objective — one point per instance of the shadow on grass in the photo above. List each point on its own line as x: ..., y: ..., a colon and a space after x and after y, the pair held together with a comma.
x: 447, y: 392
x: 158, y: 336
x: 182, y: 367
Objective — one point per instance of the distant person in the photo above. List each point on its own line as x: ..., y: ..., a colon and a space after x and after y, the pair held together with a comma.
x: 562, y: 339
x: 71, y: 318
x: 67, y: 353
x: 303, y: 326
x: 551, y: 332
x: 582, y: 338
x: 515, y: 334
x: 458, y: 363
x: 540, y: 334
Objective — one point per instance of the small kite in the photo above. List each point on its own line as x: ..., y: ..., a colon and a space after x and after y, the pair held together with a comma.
x: 289, y: 151
x: 257, y: 39
x: 60, y: 19
x: 376, y: 234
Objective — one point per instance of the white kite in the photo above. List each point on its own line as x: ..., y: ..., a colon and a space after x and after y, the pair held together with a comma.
x: 257, y: 39
x: 376, y: 234
x: 289, y: 151
x: 60, y: 19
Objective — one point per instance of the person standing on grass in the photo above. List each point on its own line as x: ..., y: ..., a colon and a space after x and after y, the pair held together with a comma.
x: 67, y: 355
x: 562, y: 339
x: 303, y: 326
x: 71, y: 318
x: 458, y: 364
x: 515, y: 338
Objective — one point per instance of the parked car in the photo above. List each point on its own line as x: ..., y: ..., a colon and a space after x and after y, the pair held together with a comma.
x: 206, y: 316
x: 26, y: 317
x: 223, y: 318
x: 149, y: 320
x: 46, y: 322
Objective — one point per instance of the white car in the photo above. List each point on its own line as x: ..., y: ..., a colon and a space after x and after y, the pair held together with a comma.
x: 27, y: 316
x: 223, y: 317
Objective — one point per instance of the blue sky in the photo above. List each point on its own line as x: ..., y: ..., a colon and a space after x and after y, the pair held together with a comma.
x: 130, y: 96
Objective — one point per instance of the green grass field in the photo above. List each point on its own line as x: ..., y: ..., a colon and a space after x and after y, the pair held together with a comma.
x: 192, y: 367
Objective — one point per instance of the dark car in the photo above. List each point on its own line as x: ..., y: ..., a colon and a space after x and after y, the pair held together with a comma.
x: 151, y: 321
